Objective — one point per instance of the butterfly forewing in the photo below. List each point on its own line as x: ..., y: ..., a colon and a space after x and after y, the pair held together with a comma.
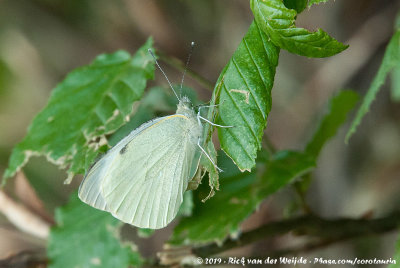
x: 89, y: 190
x: 145, y: 181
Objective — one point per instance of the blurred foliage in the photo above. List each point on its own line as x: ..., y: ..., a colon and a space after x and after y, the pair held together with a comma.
x: 396, y: 256
x: 240, y: 195
x: 85, y: 237
x: 396, y: 84
x: 75, y: 11
x: 339, y: 108
x: 91, y: 102
x: 390, y: 60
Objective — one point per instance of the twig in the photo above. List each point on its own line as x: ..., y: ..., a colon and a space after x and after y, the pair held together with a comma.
x: 29, y: 198
x: 23, y: 218
x: 301, y: 187
x: 10, y: 233
x: 179, y: 65
x: 302, y: 195
x: 304, y: 248
x: 328, y: 230
x: 25, y: 259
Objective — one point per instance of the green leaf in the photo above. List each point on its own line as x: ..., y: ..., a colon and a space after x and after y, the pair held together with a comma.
x: 205, y: 163
x: 396, y: 84
x: 316, y: 2
x: 86, y: 237
x: 298, y: 5
x: 186, y: 208
x: 396, y: 71
x: 391, y: 60
x: 91, y: 102
x: 339, y: 108
x: 283, y: 169
x: 245, y: 97
x: 213, y: 174
x: 145, y: 233
x: 240, y: 195
x: 278, y: 22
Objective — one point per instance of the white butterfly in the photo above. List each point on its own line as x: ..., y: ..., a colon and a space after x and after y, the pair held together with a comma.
x: 142, y: 179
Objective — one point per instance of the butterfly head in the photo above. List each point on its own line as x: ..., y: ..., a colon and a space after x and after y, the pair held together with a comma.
x: 185, y: 107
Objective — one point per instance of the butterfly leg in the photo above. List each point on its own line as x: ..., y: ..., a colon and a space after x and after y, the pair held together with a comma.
x: 208, y: 121
x: 211, y: 123
x: 206, y: 106
x: 209, y: 158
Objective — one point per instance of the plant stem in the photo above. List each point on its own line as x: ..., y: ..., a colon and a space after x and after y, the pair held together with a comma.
x: 25, y: 258
x: 330, y: 231
x: 302, y: 194
x: 179, y: 65
x: 23, y: 218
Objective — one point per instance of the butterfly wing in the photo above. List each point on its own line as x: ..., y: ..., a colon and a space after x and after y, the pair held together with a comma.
x: 89, y: 190
x: 144, y: 184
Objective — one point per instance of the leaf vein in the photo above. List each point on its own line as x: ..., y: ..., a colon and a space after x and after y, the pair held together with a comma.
x: 252, y: 58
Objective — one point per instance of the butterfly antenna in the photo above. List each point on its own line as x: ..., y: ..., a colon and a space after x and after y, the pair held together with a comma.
x: 159, y: 67
x: 186, y: 66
